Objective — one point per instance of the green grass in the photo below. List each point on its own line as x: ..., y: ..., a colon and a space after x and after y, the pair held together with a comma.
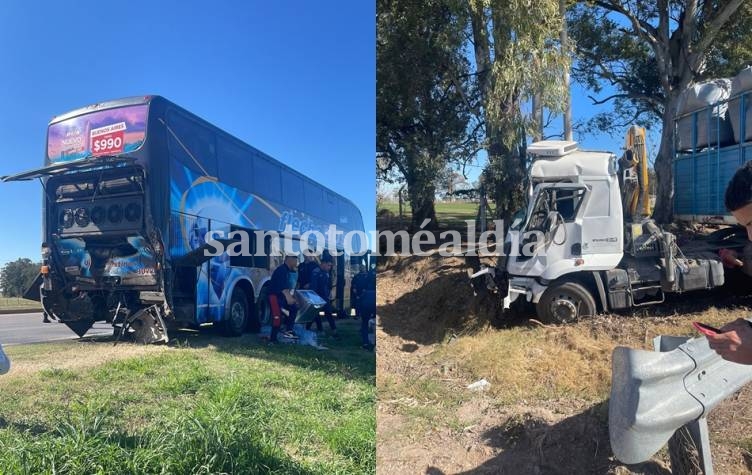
x: 205, y: 405
x: 446, y: 213
x: 13, y: 303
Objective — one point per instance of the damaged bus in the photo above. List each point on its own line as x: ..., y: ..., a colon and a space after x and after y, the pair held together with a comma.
x: 130, y: 190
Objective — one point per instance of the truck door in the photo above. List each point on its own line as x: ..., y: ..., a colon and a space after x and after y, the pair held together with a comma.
x: 602, y: 222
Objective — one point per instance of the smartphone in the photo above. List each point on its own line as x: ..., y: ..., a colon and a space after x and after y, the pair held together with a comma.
x: 706, y: 329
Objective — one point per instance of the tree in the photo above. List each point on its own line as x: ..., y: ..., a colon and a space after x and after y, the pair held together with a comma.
x: 648, y: 53
x: 518, y: 57
x: 422, y: 118
x: 448, y: 183
x: 17, y: 276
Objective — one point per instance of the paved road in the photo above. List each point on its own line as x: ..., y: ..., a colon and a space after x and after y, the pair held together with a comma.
x: 18, y: 328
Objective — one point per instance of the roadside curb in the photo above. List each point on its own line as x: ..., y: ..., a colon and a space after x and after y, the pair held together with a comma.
x: 9, y: 311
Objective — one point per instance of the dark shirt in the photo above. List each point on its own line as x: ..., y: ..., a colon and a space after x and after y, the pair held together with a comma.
x: 321, y: 283
x: 304, y: 273
x: 359, y: 282
x: 282, y: 279
x: 367, y: 300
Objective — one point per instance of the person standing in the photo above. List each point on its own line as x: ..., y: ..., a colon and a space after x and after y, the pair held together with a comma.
x: 734, y: 343
x: 357, y: 286
x: 321, y: 284
x: 305, y: 270
x: 367, y: 308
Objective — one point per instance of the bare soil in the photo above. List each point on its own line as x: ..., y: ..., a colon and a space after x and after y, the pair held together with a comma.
x: 547, y: 408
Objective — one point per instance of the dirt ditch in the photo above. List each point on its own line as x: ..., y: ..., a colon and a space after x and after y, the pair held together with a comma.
x: 546, y: 410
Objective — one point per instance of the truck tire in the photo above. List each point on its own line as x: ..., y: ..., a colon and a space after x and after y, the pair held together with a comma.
x: 565, y: 302
x: 237, y: 314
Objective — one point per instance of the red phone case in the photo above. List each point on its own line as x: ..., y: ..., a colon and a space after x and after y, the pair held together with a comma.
x: 705, y: 329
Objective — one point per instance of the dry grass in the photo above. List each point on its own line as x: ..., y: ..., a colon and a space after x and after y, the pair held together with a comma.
x: 27, y: 359
x: 541, y: 363
x: 547, y: 406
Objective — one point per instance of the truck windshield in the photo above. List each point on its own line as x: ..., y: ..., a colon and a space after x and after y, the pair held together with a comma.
x: 564, y: 201
x: 518, y: 219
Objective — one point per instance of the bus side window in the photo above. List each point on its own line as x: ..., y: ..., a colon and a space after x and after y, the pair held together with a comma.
x: 240, y: 260
x: 192, y: 144
x: 263, y: 261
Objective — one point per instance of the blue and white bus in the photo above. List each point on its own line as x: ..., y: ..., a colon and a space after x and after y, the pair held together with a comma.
x: 131, y: 188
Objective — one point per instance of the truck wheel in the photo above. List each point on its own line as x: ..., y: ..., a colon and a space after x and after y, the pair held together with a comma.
x: 237, y: 315
x: 565, y: 303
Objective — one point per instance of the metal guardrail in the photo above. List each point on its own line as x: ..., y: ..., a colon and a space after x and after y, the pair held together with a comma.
x: 654, y: 393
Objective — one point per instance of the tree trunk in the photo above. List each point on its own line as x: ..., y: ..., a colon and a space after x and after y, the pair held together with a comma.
x: 664, y: 200
x: 567, y: 115
x: 506, y: 165
x: 537, y: 106
x: 422, y: 197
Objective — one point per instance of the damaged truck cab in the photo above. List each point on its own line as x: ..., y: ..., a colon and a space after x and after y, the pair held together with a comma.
x: 584, y: 247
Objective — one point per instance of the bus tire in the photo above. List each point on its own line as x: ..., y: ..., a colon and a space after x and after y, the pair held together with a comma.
x: 263, y: 313
x: 237, y: 315
x: 565, y: 302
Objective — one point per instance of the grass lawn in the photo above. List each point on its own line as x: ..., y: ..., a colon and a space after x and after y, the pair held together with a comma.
x: 203, y: 404
x: 11, y: 303
x: 446, y: 213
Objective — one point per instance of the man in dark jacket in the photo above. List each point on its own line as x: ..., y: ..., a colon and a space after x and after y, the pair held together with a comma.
x: 367, y: 307
x: 305, y: 270
x: 321, y: 284
x: 282, y: 284
x: 734, y: 343
x: 357, y: 287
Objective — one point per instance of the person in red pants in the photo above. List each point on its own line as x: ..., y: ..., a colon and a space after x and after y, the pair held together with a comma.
x: 282, y: 284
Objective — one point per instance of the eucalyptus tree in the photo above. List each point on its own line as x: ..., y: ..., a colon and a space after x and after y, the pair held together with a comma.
x: 643, y: 55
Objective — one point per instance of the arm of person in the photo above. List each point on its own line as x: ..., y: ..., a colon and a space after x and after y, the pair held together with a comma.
x: 288, y: 296
x: 734, y: 343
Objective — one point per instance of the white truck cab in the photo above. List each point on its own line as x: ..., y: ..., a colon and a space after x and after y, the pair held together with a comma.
x: 574, y: 251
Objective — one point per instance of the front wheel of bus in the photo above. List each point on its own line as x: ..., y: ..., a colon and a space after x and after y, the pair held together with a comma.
x: 237, y: 314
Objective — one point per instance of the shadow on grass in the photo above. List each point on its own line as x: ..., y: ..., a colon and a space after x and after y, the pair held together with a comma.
x: 344, y: 357
x: 577, y: 444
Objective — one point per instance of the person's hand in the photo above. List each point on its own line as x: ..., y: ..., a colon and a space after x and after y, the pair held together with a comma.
x: 735, y: 343
x: 289, y: 298
x: 730, y: 258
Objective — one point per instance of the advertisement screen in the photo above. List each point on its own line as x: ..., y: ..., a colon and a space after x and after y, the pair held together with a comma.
x: 107, y: 132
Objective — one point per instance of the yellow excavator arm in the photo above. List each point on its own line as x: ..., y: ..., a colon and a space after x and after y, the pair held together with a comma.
x: 635, y: 180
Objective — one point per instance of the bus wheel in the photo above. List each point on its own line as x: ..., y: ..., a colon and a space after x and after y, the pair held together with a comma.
x: 564, y: 303
x: 237, y: 314
x: 263, y: 313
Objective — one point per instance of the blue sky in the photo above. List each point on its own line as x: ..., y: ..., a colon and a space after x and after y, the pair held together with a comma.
x: 582, y: 110
x: 295, y: 79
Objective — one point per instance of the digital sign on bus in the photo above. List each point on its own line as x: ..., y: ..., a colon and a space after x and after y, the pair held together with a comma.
x: 107, y: 132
